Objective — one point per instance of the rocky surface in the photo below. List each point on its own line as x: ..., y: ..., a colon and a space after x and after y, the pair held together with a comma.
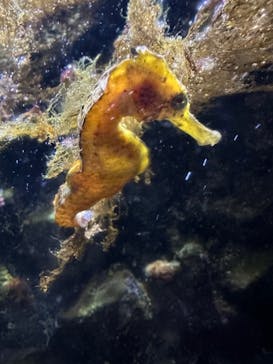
x: 40, y: 39
x: 229, y: 48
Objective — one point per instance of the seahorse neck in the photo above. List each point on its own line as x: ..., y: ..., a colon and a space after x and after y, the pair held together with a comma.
x: 100, y: 128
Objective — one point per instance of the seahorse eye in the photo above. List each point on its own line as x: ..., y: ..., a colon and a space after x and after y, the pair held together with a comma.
x: 179, y: 101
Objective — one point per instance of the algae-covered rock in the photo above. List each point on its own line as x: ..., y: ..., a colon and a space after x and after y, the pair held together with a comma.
x: 190, y: 249
x: 39, y: 39
x: 229, y: 47
x: 115, y: 292
x: 245, y: 267
x: 5, y: 280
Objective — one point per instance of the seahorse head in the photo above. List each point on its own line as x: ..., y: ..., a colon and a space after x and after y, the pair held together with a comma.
x: 151, y: 91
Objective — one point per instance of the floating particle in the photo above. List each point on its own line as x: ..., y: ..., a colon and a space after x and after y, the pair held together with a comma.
x: 188, y: 176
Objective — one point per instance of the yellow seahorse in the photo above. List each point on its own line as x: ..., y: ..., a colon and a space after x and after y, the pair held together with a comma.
x: 142, y: 87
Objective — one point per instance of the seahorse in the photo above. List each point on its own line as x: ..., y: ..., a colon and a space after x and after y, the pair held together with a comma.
x: 144, y: 88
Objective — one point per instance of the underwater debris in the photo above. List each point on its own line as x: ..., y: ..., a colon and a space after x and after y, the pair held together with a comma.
x: 144, y: 88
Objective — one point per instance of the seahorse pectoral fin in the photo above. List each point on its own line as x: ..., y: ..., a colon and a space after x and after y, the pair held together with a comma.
x: 191, y: 126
